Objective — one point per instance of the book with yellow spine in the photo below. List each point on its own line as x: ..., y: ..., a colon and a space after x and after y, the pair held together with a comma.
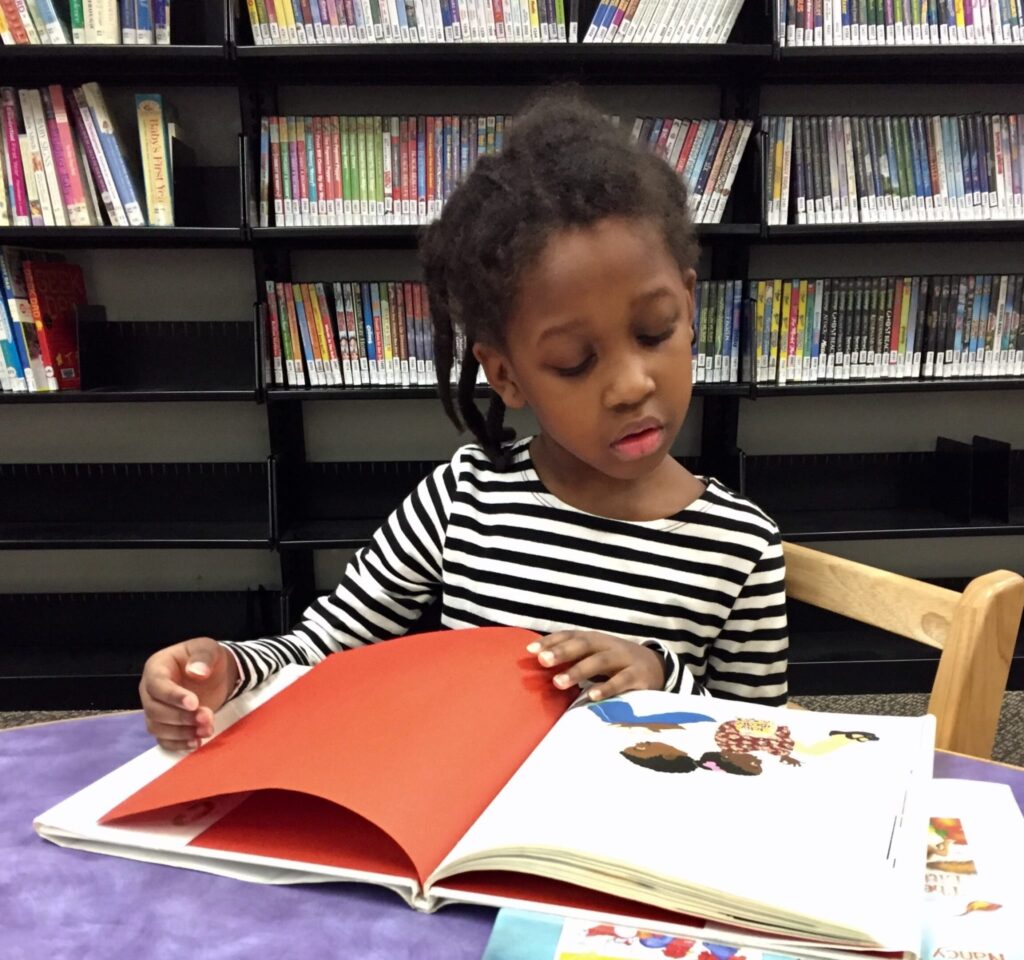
x: 155, y: 150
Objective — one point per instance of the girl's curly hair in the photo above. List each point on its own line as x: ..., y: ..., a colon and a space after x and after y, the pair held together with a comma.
x: 563, y: 165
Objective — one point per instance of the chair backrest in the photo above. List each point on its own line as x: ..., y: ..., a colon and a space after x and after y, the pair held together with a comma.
x: 976, y: 631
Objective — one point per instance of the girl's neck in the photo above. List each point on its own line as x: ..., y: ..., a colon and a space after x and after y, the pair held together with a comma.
x: 663, y: 492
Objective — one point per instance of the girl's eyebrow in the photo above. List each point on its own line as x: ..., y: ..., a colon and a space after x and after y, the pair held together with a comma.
x: 558, y: 328
x: 651, y: 295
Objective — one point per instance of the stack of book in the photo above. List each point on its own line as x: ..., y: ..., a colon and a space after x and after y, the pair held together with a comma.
x: 367, y: 170
x: 663, y: 21
x: 705, y: 153
x: 899, y: 169
x: 62, y: 162
x: 412, y: 21
x: 88, y: 22
x: 38, y: 335
x: 817, y: 23
x: 897, y: 328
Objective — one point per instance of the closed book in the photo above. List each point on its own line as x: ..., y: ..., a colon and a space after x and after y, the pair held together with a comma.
x: 54, y: 291
x: 113, y: 150
x: 154, y: 146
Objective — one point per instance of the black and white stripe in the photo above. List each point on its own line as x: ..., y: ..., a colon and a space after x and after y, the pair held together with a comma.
x: 705, y: 586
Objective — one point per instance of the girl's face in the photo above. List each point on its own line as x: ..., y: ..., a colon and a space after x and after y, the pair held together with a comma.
x: 598, y: 346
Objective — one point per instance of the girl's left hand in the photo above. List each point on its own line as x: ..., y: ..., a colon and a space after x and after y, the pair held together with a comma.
x: 621, y: 664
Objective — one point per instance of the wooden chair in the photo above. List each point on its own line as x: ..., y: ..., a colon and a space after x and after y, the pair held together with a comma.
x: 976, y: 631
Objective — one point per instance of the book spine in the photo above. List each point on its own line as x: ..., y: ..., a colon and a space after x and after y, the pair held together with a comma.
x: 89, y: 138
x: 114, y: 154
x: 155, y: 152
x: 40, y: 160
x: 127, y: 20
x: 64, y: 149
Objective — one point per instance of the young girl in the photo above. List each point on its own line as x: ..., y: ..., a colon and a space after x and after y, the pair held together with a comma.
x: 568, y: 261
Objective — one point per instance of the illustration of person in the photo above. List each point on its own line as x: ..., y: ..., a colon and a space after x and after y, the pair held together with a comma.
x: 664, y: 758
x: 619, y: 713
x: 766, y: 736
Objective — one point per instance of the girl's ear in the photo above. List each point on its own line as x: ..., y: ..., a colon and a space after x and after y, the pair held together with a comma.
x: 500, y: 375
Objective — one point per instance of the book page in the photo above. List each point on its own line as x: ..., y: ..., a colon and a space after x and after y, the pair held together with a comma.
x: 733, y: 811
x: 974, y: 877
x: 415, y: 736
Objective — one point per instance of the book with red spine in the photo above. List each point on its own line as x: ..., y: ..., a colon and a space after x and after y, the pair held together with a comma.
x: 303, y: 357
x: 54, y: 290
x: 331, y: 331
x: 318, y: 171
x: 276, y: 358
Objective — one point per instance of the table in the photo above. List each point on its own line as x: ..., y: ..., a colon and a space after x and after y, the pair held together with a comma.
x: 58, y: 904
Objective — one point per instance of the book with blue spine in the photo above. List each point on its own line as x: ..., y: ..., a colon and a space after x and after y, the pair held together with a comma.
x: 144, y: 30
x: 54, y: 28
x: 10, y: 353
x: 371, y: 344
x: 127, y: 10
x: 123, y: 178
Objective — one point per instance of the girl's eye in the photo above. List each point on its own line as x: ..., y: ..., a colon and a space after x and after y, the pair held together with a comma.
x: 575, y: 371
x: 653, y: 339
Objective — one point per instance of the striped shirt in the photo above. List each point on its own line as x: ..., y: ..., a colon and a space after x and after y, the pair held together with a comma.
x: 704, y: 587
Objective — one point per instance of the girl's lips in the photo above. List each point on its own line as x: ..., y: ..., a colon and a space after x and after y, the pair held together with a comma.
x: 643, y: 443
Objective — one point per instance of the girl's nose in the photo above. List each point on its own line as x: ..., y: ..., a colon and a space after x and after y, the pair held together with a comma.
x: 630, y: 382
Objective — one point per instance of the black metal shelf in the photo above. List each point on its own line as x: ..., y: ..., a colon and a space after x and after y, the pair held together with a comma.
x: 189, y: 64
x: 958, y: 230
x: 816, y: 526
x: 982, y: 63
x: 405, y: 236
x: 114, y: 395
x: 110, y: 535
x: 90, y: 651
x: 120, y: 237
x: 870, y: 387
x: 504, y: 63
x: 285, y: 394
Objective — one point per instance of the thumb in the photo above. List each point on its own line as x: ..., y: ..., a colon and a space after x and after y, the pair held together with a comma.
x: 203, y: 654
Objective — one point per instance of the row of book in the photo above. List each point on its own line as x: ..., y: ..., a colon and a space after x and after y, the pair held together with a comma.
x: 362, y: 170
x: 663, y: 21
x: 897, y: 328
x: 705, y: 153
x: 351, y: 334
x: 38, y: 335
x: 380, y: 333
x: 412, y: 21
x: 718, y: 308
x: 844, y: 23
x: 896, y: 169
x: 62, y: 162
x: 85, y: 21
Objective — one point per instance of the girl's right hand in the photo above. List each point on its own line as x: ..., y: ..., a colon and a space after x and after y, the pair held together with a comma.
x: 182, y: 686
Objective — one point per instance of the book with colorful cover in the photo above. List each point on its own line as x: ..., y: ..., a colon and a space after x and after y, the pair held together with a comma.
x: 155, y: 150
x: 54, y: 291
x: 514, y: 791
x: 19, y: 312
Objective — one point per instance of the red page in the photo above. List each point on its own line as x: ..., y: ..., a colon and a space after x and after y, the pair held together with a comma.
x: 416, y: 735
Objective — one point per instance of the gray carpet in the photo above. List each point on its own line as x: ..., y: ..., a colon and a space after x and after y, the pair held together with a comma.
x: 1009, y: 747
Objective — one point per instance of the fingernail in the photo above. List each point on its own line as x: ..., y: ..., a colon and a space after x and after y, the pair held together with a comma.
x: 199, y: 669
x: 533, y: 647
x: 594, y: 693
x: 190, y: 702
x: 547, y: 658
x: 192, y: 744
x: 562, y: 680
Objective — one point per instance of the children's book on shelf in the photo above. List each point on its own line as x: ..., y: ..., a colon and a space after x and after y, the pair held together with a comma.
x: 54, y: 290
x: 24, y: 359
x: 897, y: 328
x: 663, y: 21
x: 57, y: 22
x: 413, y: 21
x: 844, y: 23
x: 448, y: 768
x: 62, y: 162
x: 973, y: 897
x: 894, y: 169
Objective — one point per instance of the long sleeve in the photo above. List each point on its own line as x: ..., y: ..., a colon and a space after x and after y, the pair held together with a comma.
x: 383, y: 591
x: 748, y: 659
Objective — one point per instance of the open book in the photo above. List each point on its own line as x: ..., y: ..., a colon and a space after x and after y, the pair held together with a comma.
x: 448, y: 768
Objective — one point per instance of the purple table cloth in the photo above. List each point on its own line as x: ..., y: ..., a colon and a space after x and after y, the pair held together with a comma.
x: 57, y: 903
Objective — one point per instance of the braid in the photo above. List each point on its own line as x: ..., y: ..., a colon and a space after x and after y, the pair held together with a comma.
x: 562, y: 165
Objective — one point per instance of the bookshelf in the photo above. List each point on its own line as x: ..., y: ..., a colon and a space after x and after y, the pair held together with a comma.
x: 295, y: 506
